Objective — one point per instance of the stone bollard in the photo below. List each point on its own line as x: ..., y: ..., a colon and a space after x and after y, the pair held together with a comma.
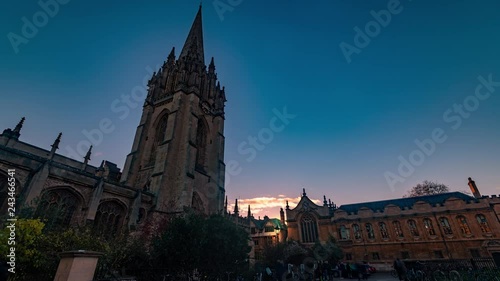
x: 77, y: 266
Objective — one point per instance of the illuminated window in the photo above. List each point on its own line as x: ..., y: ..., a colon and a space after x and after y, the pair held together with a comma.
x: 483, y: 223
x: 464, y: 226
x: 413, y: 228
x: 429, y: 227
x: 309, y: 229
x: 383, y: 230
x: 398, y: 229
x: 445, y: 224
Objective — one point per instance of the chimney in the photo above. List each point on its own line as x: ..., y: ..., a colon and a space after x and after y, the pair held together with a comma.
x: 282, y: 216
x: 473, y: 188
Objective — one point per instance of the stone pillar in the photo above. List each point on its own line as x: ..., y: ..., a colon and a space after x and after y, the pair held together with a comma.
x: 77, y: 266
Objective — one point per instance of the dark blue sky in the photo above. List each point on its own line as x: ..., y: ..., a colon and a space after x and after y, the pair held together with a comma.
x: 353, y: 120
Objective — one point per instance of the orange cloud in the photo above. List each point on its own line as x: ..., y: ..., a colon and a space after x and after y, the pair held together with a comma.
x: 262, y: 206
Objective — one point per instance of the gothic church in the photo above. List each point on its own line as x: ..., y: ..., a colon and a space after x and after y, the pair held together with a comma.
x: 176, y: 162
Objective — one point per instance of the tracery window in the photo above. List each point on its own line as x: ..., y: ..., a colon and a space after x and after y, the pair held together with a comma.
x: 159, y: 137
x: 369, y: 231
x: 445, y: 224
x: 109, y: 217
x: 483, y: 223
x: 309, y: 229
x: 57, y: 207
x: 429, y: 227
x: 413, y: 228
x: 201, y: 144
x: 398, y: 229
x: 464, y: 226
x: 383, y: 230
x: 344, y: 233
x: 357, y: 231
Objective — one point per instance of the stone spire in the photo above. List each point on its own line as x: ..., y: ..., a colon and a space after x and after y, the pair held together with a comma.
x: 193, y: 47
x: 236, y: 211
x: 87, y: 158
x: 55, y: 146
x: 211, y: 66
x: 304, y: 192
x: 225, y: 206
x: 171, y: 57
x: 19, y: 125
x: 325, y: 203
x: 249, y: 214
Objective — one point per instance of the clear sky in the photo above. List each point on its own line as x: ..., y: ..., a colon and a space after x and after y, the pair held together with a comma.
x: 360, y: 101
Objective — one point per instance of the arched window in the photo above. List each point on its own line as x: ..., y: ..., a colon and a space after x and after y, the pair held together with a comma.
x: 344, y: 233
x: 159, y: 137
x: 464, y: 226
x: 57, y: 207
x: 429, y: 227
x: 383, y: 230
x: 201, y: 144
x: 445, y: 224
x: 413, y: 228
x: 309, y: 229
x: 109, y: 217
x: 357, y: 231
x: 369, y: 231
x: 398, y: 229
x: 483, y: 223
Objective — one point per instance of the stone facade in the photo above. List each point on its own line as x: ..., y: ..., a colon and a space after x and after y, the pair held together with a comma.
x: 449, y: 225
x: 176, y: 162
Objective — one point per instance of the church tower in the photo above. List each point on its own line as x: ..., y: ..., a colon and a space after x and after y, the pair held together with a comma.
x: 178, y: 150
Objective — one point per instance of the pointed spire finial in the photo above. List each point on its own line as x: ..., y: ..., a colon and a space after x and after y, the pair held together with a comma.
x: 303, y: 192
x: 211, y: 66
x: 325, y: 203
x: 236, y: 206
x: 249, y: 213
x: 55, y: 145
x: 19, y: 125
x: 287, y: 207
x: 87, y: 156
x: 194, y: 39
x: 171, y: 55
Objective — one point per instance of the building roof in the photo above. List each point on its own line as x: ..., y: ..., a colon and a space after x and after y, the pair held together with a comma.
x: 260, y: 223
x: 406, y: 202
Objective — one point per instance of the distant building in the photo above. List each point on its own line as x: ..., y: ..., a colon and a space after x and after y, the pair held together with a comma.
x: 449, y: 225
x: 176, y: 162
x: 263, y: 232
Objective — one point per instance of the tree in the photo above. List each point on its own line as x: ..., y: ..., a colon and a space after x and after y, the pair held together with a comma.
x: 212, y: 246
x: 427, y: 188
x: 329, y: 251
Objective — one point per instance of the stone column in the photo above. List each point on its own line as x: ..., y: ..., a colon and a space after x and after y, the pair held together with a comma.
x: 77, y: 266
